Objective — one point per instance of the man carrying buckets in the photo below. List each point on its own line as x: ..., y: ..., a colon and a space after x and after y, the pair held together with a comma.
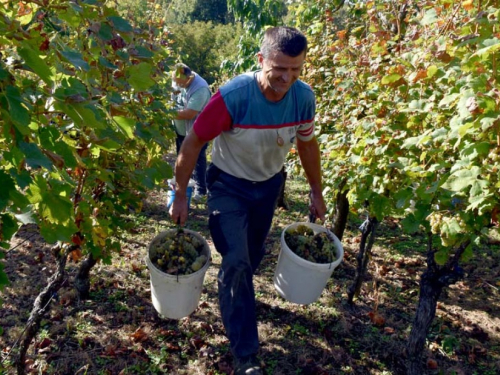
x: 253, y: 121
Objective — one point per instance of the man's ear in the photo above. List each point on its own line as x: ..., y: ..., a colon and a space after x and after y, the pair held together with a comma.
x: 260, y: 58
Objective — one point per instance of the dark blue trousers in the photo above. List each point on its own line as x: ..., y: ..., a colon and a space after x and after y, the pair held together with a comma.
x: 241, y: 214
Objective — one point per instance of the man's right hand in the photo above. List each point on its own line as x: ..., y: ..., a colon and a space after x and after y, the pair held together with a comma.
x: 179, y: 209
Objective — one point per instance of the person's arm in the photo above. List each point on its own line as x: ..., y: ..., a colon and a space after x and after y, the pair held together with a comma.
x: 310, y: 158
x: 184, y: 165
x: 186, y: 114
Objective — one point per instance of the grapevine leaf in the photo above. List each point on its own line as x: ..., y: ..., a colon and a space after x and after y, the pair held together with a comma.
x: 35, y: 62
x: 70, y: 16
x: 34, y: 156
x: 492, y: 46
x: 76, y: 59
x: 17, y: 111
x: 126, y: 124
x: 56, y: 209
x: 57, y: 232
x: 140, y: 76
x: 107, y: 64
x: 8, y: 226
x: 449, y: 99
x: 441, y: 257
x: 462, y: 179
x: 49, y: 140
x: 429, y: 17
x: 468, y: 253
x: 27, y: 217
x: 390, y: 78
x: 120, y: 24
x: 7, y: 185
x: 105, y: 32
x: 488, y: 122
x: 410, y: 224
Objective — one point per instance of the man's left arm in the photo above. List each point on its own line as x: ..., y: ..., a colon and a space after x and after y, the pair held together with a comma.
x: 310, y: 159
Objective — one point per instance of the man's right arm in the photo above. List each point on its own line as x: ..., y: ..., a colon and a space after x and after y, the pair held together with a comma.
x: 184, y: 165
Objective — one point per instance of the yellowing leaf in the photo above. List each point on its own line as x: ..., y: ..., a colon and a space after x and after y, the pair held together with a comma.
x: 468, y: 5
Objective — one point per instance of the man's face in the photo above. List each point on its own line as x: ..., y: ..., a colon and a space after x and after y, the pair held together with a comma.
x: 179, y: 79
x: 280, y: 71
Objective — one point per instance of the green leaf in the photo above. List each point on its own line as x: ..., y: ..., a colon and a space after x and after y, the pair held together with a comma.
x: 7, y: 185
x: 121, y: 24
x: 462, y: 179
x: 390, y: 78
x: 379, y: 206
x: 49, y: 139
x: 17, y: 110
x: 429, y: 17
x: 106, y: 63
x: 105, y: 32
x: 56, y: 209
x: 410, y: 224
x: 140, y: 76
x: 8, y: 226
x: 441, y: 257
x: 55, y: 232
x: 432, y: 70
x: 488, y: 122
x: 493, y: 45
x: 76, y: 59
x: 34, y: 156
x: 448, y: 99
x: 126, y: 124
x: 143, y: 53
x: 468, y: 253
x: 35, y: 62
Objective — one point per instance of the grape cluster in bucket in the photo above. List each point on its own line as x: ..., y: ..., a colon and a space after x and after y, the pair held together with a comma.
x: 178, y: 253
x: 316, y: 248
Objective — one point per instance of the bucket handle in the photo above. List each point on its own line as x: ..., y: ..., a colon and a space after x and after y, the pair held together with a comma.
x: 312, y: 219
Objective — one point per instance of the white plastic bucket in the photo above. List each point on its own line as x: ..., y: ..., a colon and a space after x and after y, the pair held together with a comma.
x: 299, y: 280
x: 173, y: 296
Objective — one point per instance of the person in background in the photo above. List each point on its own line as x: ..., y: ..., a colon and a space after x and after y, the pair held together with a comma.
x: 253, y: 121
x: 179, y: 125
x: 194, y: 95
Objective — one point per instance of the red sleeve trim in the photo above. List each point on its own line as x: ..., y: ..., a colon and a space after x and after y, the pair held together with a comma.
x: 213, y: 120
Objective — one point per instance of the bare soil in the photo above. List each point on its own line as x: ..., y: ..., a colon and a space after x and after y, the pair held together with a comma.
x: 118, y: 331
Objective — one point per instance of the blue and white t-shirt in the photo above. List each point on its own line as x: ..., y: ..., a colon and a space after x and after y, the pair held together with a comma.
x: 253, y: 135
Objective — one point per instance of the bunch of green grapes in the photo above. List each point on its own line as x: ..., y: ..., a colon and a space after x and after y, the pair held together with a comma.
x: 178, y: 253
x: 435, y: 221
x: 440, y: 224
x: 317, y: 248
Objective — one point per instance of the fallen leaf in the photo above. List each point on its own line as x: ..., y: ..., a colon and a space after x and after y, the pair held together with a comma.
x: 44, y: 343
x: 389, y: 330
x: 377, y: 319
x: 139, y: 335
x: 432, y: 364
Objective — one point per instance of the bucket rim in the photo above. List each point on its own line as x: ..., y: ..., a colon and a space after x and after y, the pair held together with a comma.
x: 317, y: 229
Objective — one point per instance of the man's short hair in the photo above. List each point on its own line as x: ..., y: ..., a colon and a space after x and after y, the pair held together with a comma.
x: 287, y: 40
x: 181, y: 69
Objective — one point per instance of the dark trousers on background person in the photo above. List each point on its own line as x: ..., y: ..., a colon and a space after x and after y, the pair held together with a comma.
x: 200, y: 170
x: 241, y: 213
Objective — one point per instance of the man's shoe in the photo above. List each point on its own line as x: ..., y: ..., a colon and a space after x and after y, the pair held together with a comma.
x: 247, y: 366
